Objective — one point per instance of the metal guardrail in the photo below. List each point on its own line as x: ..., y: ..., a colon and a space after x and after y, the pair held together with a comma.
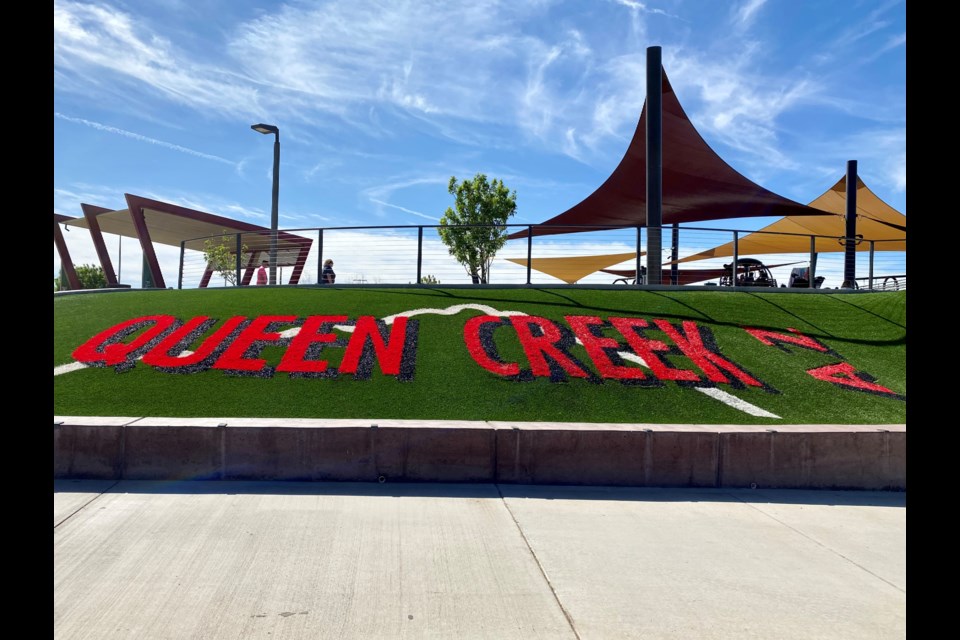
x: 883, y: 283
x: 415, y: 254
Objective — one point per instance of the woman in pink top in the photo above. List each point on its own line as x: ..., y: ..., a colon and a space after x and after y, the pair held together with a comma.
x: 262, y: 272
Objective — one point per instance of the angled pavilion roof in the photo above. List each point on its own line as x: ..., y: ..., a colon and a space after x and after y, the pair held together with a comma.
x: 154, y: 221
x: 876, y: 220
x: 697, y: 184
x: 171, y: 224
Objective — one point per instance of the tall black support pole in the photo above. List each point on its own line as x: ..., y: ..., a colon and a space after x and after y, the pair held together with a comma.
x: 850, y: 250
x: 871, y: 264
x: 654, y: 163
x: 274, y: 209
x: 674, y: 254
x: 183, y: 246
x: 638, y: 279
x: 319, y: 256
x: 812, y: 271
x: 736, y: 258
x: 419, y: 253
x: 529, y: 250
x: 239, y: 256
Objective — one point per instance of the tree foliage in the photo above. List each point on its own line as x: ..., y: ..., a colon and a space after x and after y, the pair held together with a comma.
x: 222, y: 259
x: 91, y: 277
x: 429, y: 279
x: 477, y: 202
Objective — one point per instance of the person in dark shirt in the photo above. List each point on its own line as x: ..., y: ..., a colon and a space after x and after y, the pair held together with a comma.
x: 328, y: 276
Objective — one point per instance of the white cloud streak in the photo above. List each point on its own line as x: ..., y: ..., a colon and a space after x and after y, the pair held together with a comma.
x: 641, y: 7
x: 741, y: 108
x: 141, y: 138
x: 410, y: 211
x: 745, y: 14
x: 100, y: 44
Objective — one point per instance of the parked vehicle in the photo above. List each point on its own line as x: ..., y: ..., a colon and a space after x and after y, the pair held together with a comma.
x: 750, y: 272
x: 800, y: 278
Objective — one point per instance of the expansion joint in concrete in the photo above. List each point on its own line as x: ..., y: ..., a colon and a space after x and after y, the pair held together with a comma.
x: 566, y: 614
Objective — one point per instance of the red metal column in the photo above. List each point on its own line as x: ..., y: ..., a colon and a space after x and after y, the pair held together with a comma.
x: 90, y: 212
x: 65, y: 260
x: 301, y: 261
x: 135, y: 204
x: 251, y: 268
x: 207, y: 273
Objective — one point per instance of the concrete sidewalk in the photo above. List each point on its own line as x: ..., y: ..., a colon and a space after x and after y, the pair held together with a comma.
x: 292, y: 560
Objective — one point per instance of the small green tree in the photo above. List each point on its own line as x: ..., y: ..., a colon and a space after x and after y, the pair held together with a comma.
x: 477, y: 202
x: 91, y: 277
x: 222, y: 259
x: 428, y: 279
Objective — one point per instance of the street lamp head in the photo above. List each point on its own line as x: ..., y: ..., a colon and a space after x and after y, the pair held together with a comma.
x: 265, y: 128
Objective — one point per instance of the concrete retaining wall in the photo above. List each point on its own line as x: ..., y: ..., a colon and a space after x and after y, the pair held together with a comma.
x: 791, y: 456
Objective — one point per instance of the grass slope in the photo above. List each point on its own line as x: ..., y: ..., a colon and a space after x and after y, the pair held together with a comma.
x: 867, y: 330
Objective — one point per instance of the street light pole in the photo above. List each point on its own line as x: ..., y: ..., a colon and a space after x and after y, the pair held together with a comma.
x: 274, y: 211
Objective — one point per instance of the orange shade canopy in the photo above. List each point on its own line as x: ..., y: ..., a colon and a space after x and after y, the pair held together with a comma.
x: 876, y: 220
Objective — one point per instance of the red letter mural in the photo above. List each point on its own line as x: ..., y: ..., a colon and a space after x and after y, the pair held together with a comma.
x: 239, y: 355
x: 546, y: 346
x: 108, y: 348
x: 646, y: 348
x: 368, y: 345
x: 479, y: 339
x: 598, y: 348
x: 180, y: 339
x: 710, y: 362
x: 775, y: 339
x: 294, y: 360
x: 845, y: 376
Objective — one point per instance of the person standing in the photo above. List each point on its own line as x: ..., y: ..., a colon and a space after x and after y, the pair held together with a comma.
x: 327, y: 276
x: 262, y: 272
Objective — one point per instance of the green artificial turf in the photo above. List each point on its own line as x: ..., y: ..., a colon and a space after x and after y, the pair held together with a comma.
x: 868, y: 331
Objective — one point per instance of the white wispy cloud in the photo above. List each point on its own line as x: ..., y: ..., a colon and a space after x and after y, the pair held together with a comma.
x: 142, y: 138
x: 745, y: 13
x: 445, y: 68
x: 98, y: 44
x: 67, y: 200
x: 409, y: 55
x: 892, y: 43
x: 410, y: 211
x: 448, y: 66
x: 881, y: 155
x: 204, y: 202
x: 740, y: 107
x: 384, y: 191
x: 323, y: 166
x: 641, y: 7
x: 859, y: 33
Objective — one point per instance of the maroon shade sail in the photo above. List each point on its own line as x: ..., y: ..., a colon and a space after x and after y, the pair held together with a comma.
x: 697, y: 184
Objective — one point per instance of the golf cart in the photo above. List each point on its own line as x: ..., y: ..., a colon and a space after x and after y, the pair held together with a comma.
x: 750, y: 272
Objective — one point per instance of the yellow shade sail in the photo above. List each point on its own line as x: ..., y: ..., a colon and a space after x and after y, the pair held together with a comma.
x: 876, y: 220
x: 572, y: 269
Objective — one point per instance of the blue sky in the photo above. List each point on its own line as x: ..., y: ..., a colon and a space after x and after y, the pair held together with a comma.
x: 380, y: 102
